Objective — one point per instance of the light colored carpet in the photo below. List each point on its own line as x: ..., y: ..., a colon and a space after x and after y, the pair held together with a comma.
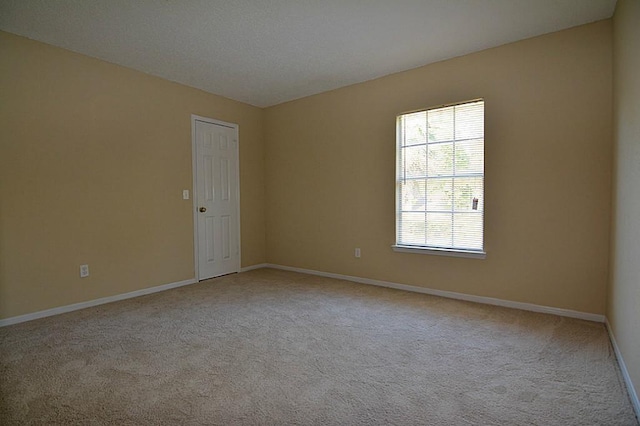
x: 271, y: 347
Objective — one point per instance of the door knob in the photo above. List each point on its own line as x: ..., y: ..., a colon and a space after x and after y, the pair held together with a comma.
x: 202, y: 209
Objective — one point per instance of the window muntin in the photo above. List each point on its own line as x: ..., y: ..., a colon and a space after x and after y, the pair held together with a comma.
x: 440, y: 178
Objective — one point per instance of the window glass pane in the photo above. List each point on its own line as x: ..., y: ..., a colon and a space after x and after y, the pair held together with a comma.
x: 441, y: 159
x: 415, y: 161
x: 469, y: 121
x: 413, y: 195
x: 465, y: 190
x: 439, y: 194
x: 439, y: 229
x: 440, y: 190
x: 412, y: 230
x: 470, y: 156
x: 440, y: 124
x: 467, y: 231
x: 415, y: 128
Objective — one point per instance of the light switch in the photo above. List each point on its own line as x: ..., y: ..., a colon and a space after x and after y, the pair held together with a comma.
x: 185, y: 194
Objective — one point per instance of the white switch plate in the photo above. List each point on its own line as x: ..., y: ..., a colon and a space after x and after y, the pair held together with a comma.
x: 185, y: 194
x: 84, y: 271
x: 357, y: 253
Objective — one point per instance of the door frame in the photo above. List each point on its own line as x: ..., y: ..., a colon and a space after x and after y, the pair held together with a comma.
x: 194, y: 189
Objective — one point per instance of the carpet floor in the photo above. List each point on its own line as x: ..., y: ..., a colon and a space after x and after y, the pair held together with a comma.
x: 270, y: 347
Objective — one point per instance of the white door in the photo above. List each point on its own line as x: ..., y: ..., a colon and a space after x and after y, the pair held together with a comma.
x: 216, y: 199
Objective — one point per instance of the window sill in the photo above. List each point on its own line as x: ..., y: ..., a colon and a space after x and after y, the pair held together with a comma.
x: 440, y: 251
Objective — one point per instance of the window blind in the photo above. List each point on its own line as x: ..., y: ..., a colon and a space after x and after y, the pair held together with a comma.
x: 440, y: 178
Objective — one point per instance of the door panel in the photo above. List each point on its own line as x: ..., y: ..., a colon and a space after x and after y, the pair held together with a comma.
x: 216, y: 199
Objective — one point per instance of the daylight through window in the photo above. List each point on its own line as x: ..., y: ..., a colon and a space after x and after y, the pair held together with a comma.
x: 440, y: 178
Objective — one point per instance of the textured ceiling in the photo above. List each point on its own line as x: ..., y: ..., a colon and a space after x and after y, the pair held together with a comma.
x: 272, y: 51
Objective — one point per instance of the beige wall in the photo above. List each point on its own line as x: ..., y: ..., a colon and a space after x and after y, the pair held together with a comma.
x: 93, y: 161
x: 330, y: 173
x: 623, y: 310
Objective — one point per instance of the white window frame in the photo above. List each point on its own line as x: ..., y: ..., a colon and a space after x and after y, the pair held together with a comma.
x: 425, y: 249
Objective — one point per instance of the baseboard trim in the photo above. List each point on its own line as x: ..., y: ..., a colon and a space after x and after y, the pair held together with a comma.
x: 450, y: 294
x: 623, y: 369
x: 252, y: 267
x: 442, y: 293
x: 91, y: 303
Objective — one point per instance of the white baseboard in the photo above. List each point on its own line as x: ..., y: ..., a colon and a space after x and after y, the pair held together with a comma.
x: 103, y: 300
x: 450, y: 294
x: 424, y: 290
x: 252, y: 267
x: 90, y: 303
x: 623, y: 369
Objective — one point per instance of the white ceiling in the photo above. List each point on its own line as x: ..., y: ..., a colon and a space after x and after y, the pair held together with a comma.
x: 271, y: 51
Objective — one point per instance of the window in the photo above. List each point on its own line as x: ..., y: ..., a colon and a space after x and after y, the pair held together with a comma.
x: 440, y: 180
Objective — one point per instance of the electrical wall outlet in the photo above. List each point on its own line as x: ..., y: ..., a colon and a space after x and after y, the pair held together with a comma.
x: 357, y: 253
x: 84, y: 271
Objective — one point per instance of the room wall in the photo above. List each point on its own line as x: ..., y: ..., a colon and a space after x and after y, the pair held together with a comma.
x: 330, y: 173
x: 93, y: 161
x: 623, y: 310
